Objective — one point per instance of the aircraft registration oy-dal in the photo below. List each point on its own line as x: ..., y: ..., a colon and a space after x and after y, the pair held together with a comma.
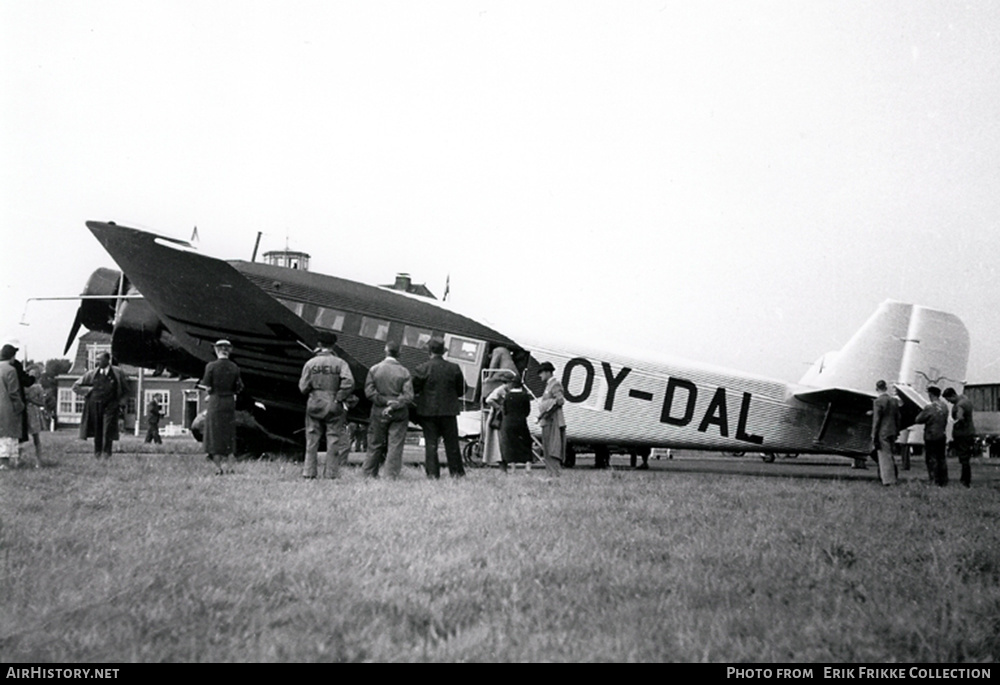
x: 716, y: 413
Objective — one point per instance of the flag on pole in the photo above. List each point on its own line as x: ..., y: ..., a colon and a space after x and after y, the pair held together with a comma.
x: 447, y: 287
x: 194, y: 235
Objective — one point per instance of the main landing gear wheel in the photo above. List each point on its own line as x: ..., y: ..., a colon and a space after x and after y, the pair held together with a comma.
x: 472, y: 453
x: 769, y: 457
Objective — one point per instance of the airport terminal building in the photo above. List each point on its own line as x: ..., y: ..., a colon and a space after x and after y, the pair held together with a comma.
x: 986, y: 405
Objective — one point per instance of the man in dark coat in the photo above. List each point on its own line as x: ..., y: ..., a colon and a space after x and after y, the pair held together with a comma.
x: 885, y: 429
x: 963, y: 433
x: 153, y: 422
x: 439, y: 386
x: 935, y: 419
x: 106, y: 389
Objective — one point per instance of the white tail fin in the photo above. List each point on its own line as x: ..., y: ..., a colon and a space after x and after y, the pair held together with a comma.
x: 901, y: 343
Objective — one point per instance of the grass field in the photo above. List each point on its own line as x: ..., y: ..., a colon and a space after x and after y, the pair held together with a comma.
x: 152, y: 558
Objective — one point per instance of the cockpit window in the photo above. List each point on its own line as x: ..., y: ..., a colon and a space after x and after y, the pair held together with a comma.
x: 374, y: 328
x: 330, y: 319
x: 416, y: 337
x: 463, y: 349
x: 295, y: 307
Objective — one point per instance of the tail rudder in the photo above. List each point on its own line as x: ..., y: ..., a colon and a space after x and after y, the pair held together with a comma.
x: 900, y: 343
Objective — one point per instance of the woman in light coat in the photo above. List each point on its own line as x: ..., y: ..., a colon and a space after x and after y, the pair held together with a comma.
x: 11, y: 408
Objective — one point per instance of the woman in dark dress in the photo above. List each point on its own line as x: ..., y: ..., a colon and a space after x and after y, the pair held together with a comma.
x: 515, y: 438
x: 222, y: 382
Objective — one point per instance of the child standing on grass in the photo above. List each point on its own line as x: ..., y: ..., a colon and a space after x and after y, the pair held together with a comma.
x: 34, y: 397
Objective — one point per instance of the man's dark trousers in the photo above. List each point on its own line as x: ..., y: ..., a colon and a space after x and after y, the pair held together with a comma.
x: 937, y: 467
x: 103, y: 416
x: 446, y: 428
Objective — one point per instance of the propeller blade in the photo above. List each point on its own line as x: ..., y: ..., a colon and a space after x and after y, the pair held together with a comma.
x: 74, y: 330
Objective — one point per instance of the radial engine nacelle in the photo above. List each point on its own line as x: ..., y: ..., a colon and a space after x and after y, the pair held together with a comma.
x: 112, y: 305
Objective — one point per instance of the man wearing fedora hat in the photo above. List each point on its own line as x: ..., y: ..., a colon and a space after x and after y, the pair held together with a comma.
x: 222, y: 382
x: 550, y: 418
x: 440, y: 386
x: 106, y: 390
x: 328, y: 382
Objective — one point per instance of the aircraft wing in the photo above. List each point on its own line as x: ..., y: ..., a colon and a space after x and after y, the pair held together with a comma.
x: 201, y: 299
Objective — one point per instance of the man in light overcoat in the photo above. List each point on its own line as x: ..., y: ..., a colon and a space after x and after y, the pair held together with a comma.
x: 550, y: 418
x: 390, y: 389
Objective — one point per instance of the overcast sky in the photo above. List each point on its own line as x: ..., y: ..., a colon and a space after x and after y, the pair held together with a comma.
x: 739, y: 183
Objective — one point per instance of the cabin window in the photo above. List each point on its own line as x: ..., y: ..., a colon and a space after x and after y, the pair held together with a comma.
x: 416, y: 337
x: 308, y: 311
x: 463, y: 349
x: 330, y: 319
x: 161, y: 396
x: 295, y: 307
x: 374, y: 328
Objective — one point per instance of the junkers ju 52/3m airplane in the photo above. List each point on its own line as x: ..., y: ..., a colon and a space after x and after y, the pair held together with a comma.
x: 170, y: 303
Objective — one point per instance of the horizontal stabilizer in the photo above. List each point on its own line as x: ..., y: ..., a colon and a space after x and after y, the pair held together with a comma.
x: 853, y: 398
x: 911, y: 397
x: 836, y: 396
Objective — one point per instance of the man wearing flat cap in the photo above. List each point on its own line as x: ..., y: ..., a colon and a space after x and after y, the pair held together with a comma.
x: 223, y: 383
x: 106, y: 389
x: 327, y: 381
x: 439, y: 386
x: 550, y: 418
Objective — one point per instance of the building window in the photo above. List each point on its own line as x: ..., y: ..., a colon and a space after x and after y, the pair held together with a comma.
x: 330, y: 319
x: 416, y: 337
x: 69, y: 402
x: 161, y: 396
x: 93, y: 351
x: 374, y: 328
